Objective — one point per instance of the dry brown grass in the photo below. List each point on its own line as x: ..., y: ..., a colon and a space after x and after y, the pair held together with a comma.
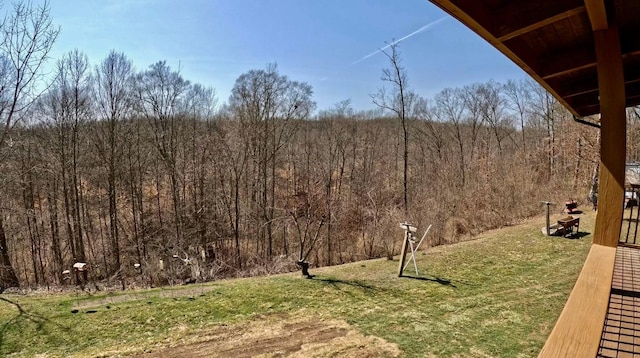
x: 281, y: 336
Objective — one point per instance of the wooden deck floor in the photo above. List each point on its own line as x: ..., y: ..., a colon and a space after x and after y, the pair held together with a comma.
x: 621, y: 332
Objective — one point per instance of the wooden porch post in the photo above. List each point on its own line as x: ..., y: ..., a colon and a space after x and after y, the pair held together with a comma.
x: 613, y: 137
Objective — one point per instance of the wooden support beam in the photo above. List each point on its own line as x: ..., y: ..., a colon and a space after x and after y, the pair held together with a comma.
x: 582, y: 93
x: 587, y: 82
x: 568, y: 61
x: 590, y: 98
x: 613, y: 137
x: 632, y: 90
x: 583, y: 100
x: 630, y: 47
x: 633, y: 100
x: 588, y: 110
x: 541, y: 23
x: 582, y: 57
x: 514, y: 18
x: 597, y: 14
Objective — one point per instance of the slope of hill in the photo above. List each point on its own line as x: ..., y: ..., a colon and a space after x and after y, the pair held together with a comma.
x: 497, y: 295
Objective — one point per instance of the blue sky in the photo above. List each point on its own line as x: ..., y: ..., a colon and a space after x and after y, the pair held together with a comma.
x: 315, y: 41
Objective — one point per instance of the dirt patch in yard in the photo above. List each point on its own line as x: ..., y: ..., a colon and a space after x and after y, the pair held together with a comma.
x: 282, y: 337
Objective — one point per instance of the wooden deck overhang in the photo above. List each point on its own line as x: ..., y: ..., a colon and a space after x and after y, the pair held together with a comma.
x: 553, y: 41
x: 586, y: 53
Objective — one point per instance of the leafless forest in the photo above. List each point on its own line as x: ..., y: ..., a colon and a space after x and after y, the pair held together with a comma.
x: 151, y: 179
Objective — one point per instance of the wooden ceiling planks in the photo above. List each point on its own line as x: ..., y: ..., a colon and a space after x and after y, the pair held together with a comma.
x: 537, y: 17
x: 552, y: 40
x: 568, y: 60
x: 540, y: 24
x: 576, y: 83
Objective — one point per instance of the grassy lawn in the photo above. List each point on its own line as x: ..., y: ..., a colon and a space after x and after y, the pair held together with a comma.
x: 498, y: 295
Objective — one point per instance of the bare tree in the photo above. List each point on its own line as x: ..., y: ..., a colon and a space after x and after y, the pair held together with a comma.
x: 27, y: 37
x: 113, y: 98
x: 450, y: 107
x: 274, y: 105
x: 492, y: 106
x: 233, y: 160
x: 307, y: 218
x: 475, y: 118
x: 399, y: 101
x: 429, y: 129
x: 68, y: 106
x: 200, y: 103
x: 331, y: 156
x: 518, y: 95
x: 159, y: 96
x: 545, y: 113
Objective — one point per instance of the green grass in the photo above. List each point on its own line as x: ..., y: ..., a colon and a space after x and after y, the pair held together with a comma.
x: 498, y: 295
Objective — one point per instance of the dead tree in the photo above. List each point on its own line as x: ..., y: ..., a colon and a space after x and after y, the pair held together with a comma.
x: 114, y: 103
x: 27, y: 37
x: 307, y: 241
x: 399, y: 101
x: 272, y: 106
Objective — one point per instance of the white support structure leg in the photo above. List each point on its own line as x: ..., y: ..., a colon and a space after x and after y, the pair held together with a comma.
x: 415, y: 249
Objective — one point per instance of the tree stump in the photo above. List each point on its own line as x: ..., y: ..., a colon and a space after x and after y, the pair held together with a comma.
x: 304, y: 266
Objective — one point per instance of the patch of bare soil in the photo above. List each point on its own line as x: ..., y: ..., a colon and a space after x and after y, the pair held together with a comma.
x: 283, y: 338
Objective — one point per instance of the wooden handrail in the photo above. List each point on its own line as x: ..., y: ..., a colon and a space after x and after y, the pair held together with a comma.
x: 579, y: 328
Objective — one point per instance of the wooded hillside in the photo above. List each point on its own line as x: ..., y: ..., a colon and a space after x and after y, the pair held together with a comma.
x: 145, y: 177
x: 189, y: 191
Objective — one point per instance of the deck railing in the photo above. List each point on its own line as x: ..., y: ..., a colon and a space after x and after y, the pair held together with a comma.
x: 621, y: 325
x: 579, y: 329
x: 631, y: 216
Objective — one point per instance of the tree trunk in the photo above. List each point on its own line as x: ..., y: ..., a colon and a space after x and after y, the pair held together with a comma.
x: 236, y: 218
x: 113, y: 214
x: 52, y: 199
x: 80, y: 252
x: 304, y: 267
x: 576, y: 173
x: 8, y: 276
x: 405, y: 162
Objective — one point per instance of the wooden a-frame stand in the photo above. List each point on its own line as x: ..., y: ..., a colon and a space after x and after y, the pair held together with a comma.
x: 410, y: 239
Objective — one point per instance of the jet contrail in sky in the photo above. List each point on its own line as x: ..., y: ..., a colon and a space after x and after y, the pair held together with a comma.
x: 423, y: 28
